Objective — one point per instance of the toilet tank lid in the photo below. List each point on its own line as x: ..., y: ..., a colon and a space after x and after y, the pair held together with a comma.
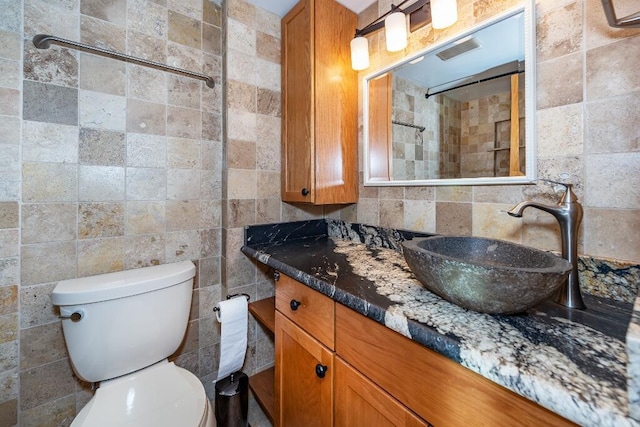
x: 104, y: 287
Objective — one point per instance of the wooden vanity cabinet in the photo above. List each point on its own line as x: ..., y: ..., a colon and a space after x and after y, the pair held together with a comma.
x: 304, y: 340
x: 319, y: 104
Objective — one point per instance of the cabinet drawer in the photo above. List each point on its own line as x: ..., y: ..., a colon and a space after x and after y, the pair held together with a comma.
x: 309, y: 309
x: 434, y: 387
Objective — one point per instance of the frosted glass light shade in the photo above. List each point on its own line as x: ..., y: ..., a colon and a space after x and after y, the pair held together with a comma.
x: 359, y: 53
x: 444, y: 13
x: 395, y: 31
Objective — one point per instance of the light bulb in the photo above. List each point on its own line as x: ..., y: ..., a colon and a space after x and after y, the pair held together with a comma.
x: 359, y: 53
x: 444, y: 13
x: 395, y: 31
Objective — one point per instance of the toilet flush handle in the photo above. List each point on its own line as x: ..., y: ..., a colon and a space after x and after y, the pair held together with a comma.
x: 76, y: 316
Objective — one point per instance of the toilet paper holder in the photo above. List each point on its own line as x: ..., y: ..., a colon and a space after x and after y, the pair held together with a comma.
x: 233, y: 296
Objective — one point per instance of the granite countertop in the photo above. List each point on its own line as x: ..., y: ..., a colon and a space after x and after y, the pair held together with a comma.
x: 570, y: 361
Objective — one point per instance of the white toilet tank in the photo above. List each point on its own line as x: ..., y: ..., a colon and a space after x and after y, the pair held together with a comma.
x: 129, y: 320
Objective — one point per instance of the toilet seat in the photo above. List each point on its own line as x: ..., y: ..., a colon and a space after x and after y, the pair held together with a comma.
x: 162, y: 395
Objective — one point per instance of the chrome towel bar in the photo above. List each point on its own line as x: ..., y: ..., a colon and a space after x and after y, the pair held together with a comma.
x: 43, y: 41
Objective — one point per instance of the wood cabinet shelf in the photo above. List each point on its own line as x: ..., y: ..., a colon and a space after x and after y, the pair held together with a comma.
x: 261, y: 385
x: 265, y: 312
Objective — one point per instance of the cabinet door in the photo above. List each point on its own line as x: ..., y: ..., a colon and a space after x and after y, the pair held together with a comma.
x: 361, y: 403
x: 297, y: 102
x: 304, y: 394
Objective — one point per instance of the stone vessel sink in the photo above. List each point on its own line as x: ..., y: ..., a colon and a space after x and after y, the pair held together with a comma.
x: 485, y: 275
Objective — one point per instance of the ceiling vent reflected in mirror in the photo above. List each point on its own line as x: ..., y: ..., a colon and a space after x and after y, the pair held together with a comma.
x: 460, y: 48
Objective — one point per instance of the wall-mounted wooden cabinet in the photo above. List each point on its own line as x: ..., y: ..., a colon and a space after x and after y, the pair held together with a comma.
x: 319, y: 105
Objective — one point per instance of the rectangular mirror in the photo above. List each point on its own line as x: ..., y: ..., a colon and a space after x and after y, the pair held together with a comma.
x: 461, y: 112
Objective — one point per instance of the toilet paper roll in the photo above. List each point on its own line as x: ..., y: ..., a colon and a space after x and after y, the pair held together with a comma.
x: 232, y: 315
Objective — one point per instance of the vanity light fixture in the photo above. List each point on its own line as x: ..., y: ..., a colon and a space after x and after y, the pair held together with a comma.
x: 442, y: 13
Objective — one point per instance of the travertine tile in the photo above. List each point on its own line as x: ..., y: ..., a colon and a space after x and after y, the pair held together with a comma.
x: 49, y: 142
x: 210, y: 241
x: 268, y: 155
x: 211, y: 213
x: 269, y: 23
x: 146, y: 117
x: 48, y: 222
x: 242, y: 11
x: 608, y: 69
x: 49, y: 182
x: 10, y: 101
x: 146, y: 184
x: 113, y: 11
x: 540, y: 229
x: 454, y: 218
x: 144, y: 251
x: 560, y: 131
x: 10, y: 130
x: 454, y: 194
x: 182, y: 56
x: 102, y: 147
x: 211, y: 155
x: 613, y: 126
x: 598, y: 31
x: 191, y: 8
x: 559, y: 32
x: 241, y: 184
x: 9, y: 243
x: 268, y: 47
x: 269, y: 102
x: 144, y: 218
x: 184, y: 92
x: 8, y: 299
x: 100, y: 220
x: 9, y: 215
x: 47, y: 103
x: 182, y: 245
x: 102, y: 74
x: 609, y: 233
x: 41, y: 344
x: 146, y: 47
x: 242, y: 67
x: 241, y: 125
x: 43, y: 17
x: 102, y: 110
x: 101, y: 183
x: 9, y: 385
x: 559, y: 81
x: 491, y: 220
x: 268, y: 184
x: 241, y: 96
x: 613, y: 180
x: 9, y: 356
x: 241, y: 154
x: 45, y: 383
x: 392, y: 213
x: 211, y: 12
x: 211, y: 126
x: 9, y: 412
x: 269, y: 75
x: 184, y: 122
x: 182, y: 215
x: 240, y: 37
x: 210, y: 185
x: 146, y: 17
x: 211, y: 39
x: 147, y: 84
x: 146, y: 150
x: 56, y: 66
x: 98, y: 256
x: 48, y: 262
x: 59, y: 412
x: 183, y: 153
x: 9, y: 44
x: 96, y: 32
x: 10, y: 73
x: 240, y: 213
x: 185, y: 30
x: 10, y: 158
x: 419, y: 215
x: 8, y: 327
x: 9, y: 271
x: 183, y: 184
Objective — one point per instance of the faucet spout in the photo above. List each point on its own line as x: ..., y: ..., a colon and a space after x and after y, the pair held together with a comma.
x: 569, y: 215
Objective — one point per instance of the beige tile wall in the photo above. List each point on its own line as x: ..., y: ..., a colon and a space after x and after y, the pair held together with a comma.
x: 104, y: 166
x: 587, y: 94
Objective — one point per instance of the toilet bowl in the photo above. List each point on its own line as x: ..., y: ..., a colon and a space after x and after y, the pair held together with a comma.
x: 120, y: 328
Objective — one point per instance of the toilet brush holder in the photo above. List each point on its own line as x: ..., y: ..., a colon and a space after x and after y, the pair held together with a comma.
x: 232, y: 400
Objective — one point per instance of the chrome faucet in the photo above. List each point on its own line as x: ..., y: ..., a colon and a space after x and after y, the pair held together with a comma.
x: 569, y: 214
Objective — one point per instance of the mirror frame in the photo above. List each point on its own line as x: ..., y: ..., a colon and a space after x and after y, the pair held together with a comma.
x: 531, y: 171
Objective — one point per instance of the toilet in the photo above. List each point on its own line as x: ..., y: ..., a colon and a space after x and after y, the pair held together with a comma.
x: 120, y: 328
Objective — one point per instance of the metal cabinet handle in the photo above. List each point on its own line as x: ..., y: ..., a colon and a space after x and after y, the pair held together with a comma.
x: 294, y: 304
x: 76, y: 316
x: 276, y: 276
x: 321, y: 370
x: 305, y: 192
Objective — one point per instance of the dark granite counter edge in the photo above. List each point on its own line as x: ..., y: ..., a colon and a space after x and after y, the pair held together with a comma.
x: 446, y: 346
